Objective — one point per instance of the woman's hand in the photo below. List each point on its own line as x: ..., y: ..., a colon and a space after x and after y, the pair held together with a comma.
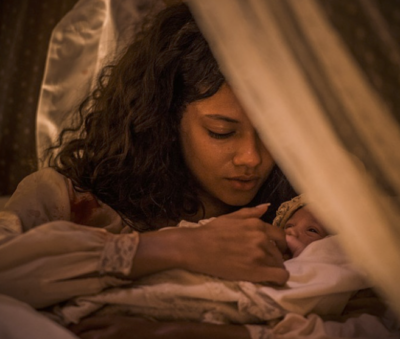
x: 235, y: 246
x: 238, y: 246
x: 125, y: 327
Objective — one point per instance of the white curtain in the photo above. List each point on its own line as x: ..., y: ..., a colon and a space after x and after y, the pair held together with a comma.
x: 327, y: 114
x: 89, y: 37
x: 326, y: 107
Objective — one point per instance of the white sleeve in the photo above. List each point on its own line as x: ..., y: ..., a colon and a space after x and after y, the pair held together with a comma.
x: 35, y: 325
x: 59, y: 260
x: 45, y: 258
x: 39, y: 198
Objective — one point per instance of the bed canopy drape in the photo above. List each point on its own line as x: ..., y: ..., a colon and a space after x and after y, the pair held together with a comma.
x: 320, y: 80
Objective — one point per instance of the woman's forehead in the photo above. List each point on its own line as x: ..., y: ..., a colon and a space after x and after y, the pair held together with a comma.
x: 222, y: 106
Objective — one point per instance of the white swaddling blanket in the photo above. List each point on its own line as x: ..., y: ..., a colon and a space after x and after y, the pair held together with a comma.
x: 321, y: 281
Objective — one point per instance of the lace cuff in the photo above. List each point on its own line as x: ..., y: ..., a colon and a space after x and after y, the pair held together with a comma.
x: 118, y: 253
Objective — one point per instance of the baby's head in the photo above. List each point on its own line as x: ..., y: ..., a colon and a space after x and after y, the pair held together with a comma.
x: 300, y: 225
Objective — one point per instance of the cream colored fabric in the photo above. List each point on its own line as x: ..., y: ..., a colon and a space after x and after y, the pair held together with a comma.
x: 20, y: 321
x: 321, y: 281
x: 283, y: 107
x: 294, y: 326
x: 45, y: 254
x: 89, y: 37
x: 306, y: 129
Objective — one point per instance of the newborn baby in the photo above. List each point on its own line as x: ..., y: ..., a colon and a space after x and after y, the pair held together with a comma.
x: 300, y: 225
x: 321, y: 281
x: 301, y: 230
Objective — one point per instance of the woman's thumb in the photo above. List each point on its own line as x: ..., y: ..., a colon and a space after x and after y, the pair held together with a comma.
x: 251, y: 212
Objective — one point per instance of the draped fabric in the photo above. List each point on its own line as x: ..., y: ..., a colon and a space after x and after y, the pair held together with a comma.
x: 320, y: 81
x: 83, y: 42
x: 25, y: 28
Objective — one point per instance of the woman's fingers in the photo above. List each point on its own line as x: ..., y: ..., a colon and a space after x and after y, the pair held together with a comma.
x: 235, y: 247
x: 276, y: 275
x: 276, y: 235
x: 273, y: 233
x: 249, y: 212
x: 248, y: 219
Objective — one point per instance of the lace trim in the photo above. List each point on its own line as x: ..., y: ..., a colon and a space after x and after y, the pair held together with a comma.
x: 118, y: 253
x: 287, y: 209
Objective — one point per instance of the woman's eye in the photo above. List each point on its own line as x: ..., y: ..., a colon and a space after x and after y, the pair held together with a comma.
x: 313, y: 230
x: 220, y: 135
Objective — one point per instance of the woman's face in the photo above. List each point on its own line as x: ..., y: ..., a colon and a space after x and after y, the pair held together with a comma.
x: 223, y: 151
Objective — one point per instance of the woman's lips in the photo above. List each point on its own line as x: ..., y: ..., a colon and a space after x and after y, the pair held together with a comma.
x: 243, y: 183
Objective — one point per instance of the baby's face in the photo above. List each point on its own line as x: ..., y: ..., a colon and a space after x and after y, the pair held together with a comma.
x: 301, y: 230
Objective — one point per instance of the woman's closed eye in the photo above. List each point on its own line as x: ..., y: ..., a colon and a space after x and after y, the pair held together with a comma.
x: 220, y: 135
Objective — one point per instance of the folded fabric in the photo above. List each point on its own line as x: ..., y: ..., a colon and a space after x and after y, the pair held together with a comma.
x: 321, y: 281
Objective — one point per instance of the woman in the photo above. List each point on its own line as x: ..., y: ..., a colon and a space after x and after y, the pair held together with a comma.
x: 163, y: 138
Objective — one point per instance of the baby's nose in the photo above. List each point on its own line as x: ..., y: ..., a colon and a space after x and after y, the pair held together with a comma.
x: 291, y: 231
x: 294, y: 244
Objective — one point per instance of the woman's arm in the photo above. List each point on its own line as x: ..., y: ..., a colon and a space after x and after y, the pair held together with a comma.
x: 236, y: 246
x: 53, y: 260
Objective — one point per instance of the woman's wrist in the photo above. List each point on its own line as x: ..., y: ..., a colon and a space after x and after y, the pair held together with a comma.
x: 158, y: 251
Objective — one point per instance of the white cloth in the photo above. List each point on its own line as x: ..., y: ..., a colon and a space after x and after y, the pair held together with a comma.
x: 89, y: 37
x: 20, y: 321
x: 322, y: 111
x: 45, y: 254
x: 46, y: 257
x: 294, y: 326
x: 321, y: 281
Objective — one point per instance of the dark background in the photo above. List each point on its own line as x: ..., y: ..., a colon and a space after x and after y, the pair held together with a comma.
x: 25, y: 30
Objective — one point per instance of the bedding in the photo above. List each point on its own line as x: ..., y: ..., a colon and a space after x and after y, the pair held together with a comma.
x: 321, y: 281
x: 74, y: 251
x: 89, y: 32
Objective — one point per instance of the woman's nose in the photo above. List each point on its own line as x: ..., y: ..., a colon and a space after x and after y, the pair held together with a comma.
x: 249, y: 153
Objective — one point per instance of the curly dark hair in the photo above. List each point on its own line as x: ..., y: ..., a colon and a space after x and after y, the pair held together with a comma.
x: 128, y: 152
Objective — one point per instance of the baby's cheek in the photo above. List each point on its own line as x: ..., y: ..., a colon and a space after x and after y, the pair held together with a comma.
x: 294, y: 245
